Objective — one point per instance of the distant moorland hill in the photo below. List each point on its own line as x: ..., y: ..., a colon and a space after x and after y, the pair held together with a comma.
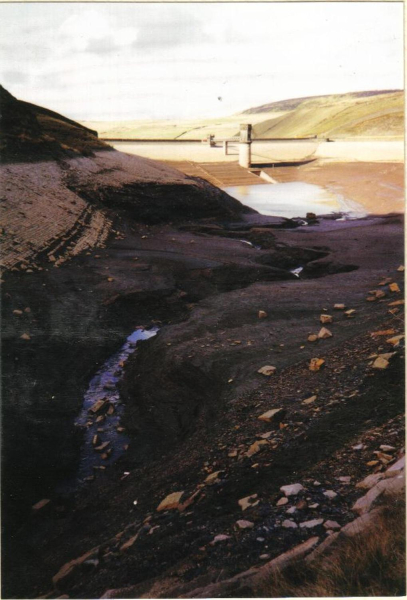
x: 371, y: 114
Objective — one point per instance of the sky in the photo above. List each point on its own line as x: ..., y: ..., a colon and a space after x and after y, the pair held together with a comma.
x: 108, y: 61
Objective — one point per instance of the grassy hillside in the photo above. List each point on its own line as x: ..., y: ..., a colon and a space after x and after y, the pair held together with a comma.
x: 378, y: 114
x: 375, y: 114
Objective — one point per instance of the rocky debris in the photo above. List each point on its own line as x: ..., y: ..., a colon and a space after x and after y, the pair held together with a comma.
x: 271, y: 414
x: 171, y: 502
x: 219, y: 538
x: 393, y: 287
x: 324, y: 333
x: 102, y: 447
x: 17, y: 312
x: 386, y: 487
x: 350, y: 313
x: 339, y: 306
x: 331, y: 525
x: 326, y: 319
x: 262, y: 314
x: 292, y: 490
x: 312, y: 337
x: 400, y: 269
x: 67, y: 571
x: 25, y: 336
x: 330, y: 494
x: 309, y: 400
x: 98, y: 406
x: 316, y: 364
x: 40, y: 505
x: 311, y: 524
x: 288, y: 524
x: 282, y: 501
x: 213, y: 478
x: 381, y: 362
x: 395, y: 341
x: 242, y: 524
x: 256, y: 447
x: 248, y: 501
x: 267, y: 370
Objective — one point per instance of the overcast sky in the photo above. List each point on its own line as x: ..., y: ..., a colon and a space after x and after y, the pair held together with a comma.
x: 139, y: 61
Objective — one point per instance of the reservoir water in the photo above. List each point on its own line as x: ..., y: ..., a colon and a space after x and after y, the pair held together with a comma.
x: 294, y: 199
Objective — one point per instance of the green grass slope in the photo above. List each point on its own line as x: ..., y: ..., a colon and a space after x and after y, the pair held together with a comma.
x: 374, y: 114
x: 379, y: 114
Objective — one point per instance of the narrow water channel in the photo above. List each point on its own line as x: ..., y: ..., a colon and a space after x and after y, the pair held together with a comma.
x: 104, y: 438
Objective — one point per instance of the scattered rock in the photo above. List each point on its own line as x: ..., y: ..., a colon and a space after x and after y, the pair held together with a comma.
x: 97, y: 407
x: 267, y: 370
x: 262, y: 314
x: 242, y: 524
x: 350, y: 313
x: 339, y: 306
x: 282, y: 501
x: 213, y: 478
x: 311, y: 524
x: 309, y: 400
x: 40, y: 505
x: 289, y: 524
x: 393, y: 287
x: 172, y: 501
x: 219, y: 538
x: 316, y: 364
x: 345, y: 478
x: 25, y: 336
x: 324, y: 333
x: 291, y: 510
x: 380, y: 363
x: 325, y: 319
x: 292, y: 490
x: 312, y: 337
x: 264, y: 556
x: 394, y: 341
x: 271, y: 414
x: 400, y: 269
x: 17, y: 312
x: 248, y: 501
x: 256, y: 447
x: 102, y: 447
x: 331, y: 525
x: 330, y: 494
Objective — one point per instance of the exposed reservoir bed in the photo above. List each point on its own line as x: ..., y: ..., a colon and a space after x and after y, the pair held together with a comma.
x: 294, y: 199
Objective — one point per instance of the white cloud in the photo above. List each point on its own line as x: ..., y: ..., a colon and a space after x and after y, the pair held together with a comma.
x: 112, y: 61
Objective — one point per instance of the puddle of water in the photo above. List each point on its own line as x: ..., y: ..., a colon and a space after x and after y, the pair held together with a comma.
x: 104, y: 386
x: 293, y: 199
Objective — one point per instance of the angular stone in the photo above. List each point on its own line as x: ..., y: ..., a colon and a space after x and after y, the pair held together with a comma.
x: 40, y: 505
x: 212, y: 478
x: 339, y: 306
x: 331, y: 525
x: 325, y: 319
x: 267, y: 370
x: 271, y: 414
x: 242, y: 524
x: 380, y: 363
x: 292, y: 490
x: 386, y: 487
x: 309, y: 400
x: 324, y: 333
x: 102, y: 447
x: 350, y: 313
x: 311, y: 524
x: 282, y: 501
x: 330, y: 494
x: 97, y: 406
x: 248, y: 501
x: 394, y: 341
x: 400, y: 268
x: 316, y: 364
x: 312, y: 337
x: 393, y: 287
x: 170, y: 502
x: 262, y: 314
x: 25, y: 336
x: 68, y: 568
x: 256, y: 447
x: 370, y: 481
x: 219, y: 538
x: 287, y: 524
x: 17, y: 312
